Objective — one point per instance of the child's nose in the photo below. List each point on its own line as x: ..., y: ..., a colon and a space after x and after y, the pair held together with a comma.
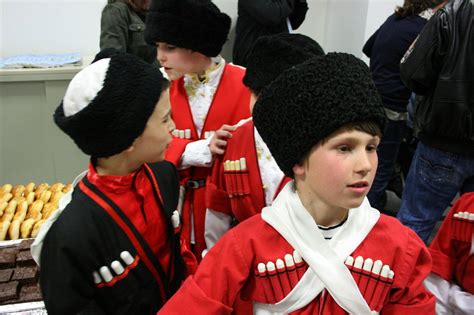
x: 160, y: 55
x: 364, y: 163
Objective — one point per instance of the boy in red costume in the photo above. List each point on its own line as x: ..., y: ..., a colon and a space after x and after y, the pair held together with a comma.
x: 320, y: 248
x: 239, y: 194
x: 206, y: 93
x: 452, y: 250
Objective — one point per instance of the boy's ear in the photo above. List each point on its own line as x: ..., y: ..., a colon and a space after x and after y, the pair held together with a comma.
x: 298, y: 169
x: 130, y: 148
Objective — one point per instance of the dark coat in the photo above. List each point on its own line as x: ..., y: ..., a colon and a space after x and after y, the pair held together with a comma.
x: 441, y: 67
x: 264, y: 17
x: 123, y: 28
x: 385, y: 48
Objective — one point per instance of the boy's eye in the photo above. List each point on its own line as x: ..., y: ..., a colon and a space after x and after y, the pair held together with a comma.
x: 344, y: 148
x: 372, y: 148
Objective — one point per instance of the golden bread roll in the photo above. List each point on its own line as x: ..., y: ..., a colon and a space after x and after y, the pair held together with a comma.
x: 21, y: 210
x: 14, y: 229
x: 11, y: 208
x: 48, y: 209
x: 55, y: 197
x: 18, y: 190
x: 35, y: 215
x: 3, y: 206
x: 30, y: 187
x: 43, y: 186
x: 30, y: 197
x: 36, y: 228
x: 45, y: 196
x: 6, y: 197
x: 57, y: 187
x: 35, y: 209
x: 19, y: 198
x: 67, y: 188
x: 7, y: 188
x: 26, y: 227
x: 39, y: 191
x: 7, y: 216
x: 4, y: 229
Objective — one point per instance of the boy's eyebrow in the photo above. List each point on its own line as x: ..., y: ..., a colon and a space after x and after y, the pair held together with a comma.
x: 353, y: 138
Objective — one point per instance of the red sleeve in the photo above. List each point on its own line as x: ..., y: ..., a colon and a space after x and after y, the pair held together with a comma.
x: 175, y: 150
x: 441, y: 249
x: 190, y: 299
x: 217, y: 283
x: 408, y: 294
x: 217, y: 197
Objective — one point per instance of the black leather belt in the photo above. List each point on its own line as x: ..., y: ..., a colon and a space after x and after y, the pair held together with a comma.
x: 195, y: 184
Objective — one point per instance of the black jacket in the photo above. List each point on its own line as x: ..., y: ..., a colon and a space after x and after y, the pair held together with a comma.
x: 92, y: 232
x: 441, y: 67
x: 264, y: 17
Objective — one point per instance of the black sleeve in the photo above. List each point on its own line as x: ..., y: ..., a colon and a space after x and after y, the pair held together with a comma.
x: 420, y: 67
x: 66, y: 284
x: 167, y: 177
x: 299, y: 13
x: 367, y: 49
x: 268, y: 12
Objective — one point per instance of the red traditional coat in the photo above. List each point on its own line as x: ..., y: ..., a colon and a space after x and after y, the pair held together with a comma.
x: 229, y: 106
x: 238, y: 194
x: 453, y: 259
x: 231, y: 271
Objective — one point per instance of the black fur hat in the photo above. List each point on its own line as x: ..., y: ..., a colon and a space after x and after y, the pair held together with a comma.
x: 198, y: 25
x: 310, y: 101
x: 271, y: 55
x: 108, y: 103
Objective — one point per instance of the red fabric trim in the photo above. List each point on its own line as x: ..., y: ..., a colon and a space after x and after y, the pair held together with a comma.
x: 282, y: 184
x: 126, y: 229
x: 443, y: 265
x: 121, y: 276
x: 175, y: 150
x: 217, y: 199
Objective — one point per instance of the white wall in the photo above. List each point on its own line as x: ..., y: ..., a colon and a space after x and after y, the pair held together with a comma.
x: 49, y: 26
x: 60, y: 26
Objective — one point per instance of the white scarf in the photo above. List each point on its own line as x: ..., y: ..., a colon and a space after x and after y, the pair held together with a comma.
x: 324, y: 257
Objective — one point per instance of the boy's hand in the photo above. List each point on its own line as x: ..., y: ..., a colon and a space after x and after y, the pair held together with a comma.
x: 219, y: 140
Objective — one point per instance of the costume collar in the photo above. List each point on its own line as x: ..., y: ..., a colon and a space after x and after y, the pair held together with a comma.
x: 112, y: 183
x: 324, y: 257
x: 211, y: 76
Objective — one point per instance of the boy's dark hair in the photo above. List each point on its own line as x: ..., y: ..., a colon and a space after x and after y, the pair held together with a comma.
x: 107, y: 104
x: 368, y: 127
x: 415, y: 7
x: 310, y: 101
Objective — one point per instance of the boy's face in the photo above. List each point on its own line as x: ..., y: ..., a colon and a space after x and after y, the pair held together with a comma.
x: 339, y: 172
x: 176, y: 61
x: 150, y: 146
